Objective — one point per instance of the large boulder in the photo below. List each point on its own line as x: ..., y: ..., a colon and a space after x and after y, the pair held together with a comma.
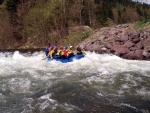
x: 121, y: 51
x: 124, y: 38
x: 128, y: 44
x: 130, y: 55
x: 140, y: 45
x: 139, y: 54
x: 134, y: 36
x: 115, y: 48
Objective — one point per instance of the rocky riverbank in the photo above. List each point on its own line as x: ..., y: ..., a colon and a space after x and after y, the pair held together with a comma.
x: 122, y: 41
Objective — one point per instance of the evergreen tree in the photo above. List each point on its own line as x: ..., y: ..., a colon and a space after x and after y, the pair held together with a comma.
x: 1, y: 1
x: 11, y: 5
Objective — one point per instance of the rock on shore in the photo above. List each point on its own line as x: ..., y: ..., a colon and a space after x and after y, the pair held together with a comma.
x: 122, y: 41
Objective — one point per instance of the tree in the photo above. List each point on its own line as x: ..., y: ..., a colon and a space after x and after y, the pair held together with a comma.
x: 47, y: 17
x: 1, y: 1
x: 102, y: 17
x: 11, y: 5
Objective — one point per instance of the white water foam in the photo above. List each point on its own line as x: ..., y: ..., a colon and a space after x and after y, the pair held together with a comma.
x: 19, y: 85
x: 103, y: 65
x: 107, y: 74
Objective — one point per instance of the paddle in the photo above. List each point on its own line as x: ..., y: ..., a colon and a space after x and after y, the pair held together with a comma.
x: 91, y: 61
x: 44, y: 57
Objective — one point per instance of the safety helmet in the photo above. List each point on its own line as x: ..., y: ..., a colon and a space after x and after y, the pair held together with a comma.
x: 60, y: 47
x: 54, y: 47
x: 64, y: 47
x: 81, y: 47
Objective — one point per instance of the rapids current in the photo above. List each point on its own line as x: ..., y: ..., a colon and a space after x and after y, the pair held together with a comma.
x: 95, y: 84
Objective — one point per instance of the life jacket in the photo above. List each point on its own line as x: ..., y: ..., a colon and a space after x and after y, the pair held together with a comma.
x: 56, y: 54
x: 64, y: 53
x: 59, y: 52
x: 70, y: 51
x: 50, y: 54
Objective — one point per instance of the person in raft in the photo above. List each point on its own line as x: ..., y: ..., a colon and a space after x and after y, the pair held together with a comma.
x: 47, y: 50
x: 80, y: 50
x: 62, y: 52
x: 70, y: 51
x: 55, y: 54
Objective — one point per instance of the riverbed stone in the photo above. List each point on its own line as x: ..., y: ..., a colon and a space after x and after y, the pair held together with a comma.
x: 139, y: 54
x: 121, y: 51
x: 128, y: 44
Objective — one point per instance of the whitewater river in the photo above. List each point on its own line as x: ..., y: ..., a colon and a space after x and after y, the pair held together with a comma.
x: 94, y: 84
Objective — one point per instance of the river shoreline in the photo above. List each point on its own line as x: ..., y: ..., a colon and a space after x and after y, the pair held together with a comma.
x: 22, y: 50
x: 121, y: 41
x: 31, y: 51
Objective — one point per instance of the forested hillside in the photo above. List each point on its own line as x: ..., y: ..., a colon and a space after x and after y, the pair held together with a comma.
x: 43, y: 21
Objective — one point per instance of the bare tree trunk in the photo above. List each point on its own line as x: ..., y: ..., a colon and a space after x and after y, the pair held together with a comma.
x: 81, y: 6
x: 89, y: 13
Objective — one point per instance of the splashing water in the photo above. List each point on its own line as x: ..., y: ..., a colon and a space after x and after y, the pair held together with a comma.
x: 95, y: 84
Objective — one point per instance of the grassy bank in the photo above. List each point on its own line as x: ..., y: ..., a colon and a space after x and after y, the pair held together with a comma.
x: 75, y: 38
x: 142, y: 24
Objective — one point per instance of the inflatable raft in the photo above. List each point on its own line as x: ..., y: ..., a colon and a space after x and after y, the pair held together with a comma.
x: 68, y: 59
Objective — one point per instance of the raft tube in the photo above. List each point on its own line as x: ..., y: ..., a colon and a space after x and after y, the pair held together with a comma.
x: 68, y: 59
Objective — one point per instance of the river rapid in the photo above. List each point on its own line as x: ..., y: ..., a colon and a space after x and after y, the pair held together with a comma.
x: 98, y: 83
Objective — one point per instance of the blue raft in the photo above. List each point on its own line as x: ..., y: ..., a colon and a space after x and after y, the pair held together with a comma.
x: 68, y: 59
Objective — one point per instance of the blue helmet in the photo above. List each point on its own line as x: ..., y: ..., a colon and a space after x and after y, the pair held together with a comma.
x: 64, y: 47
x: 54, y: 47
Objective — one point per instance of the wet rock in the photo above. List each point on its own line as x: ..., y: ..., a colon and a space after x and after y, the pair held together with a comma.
x: 128, y: 44
x: 136, y: 40
x: 146, y: 54
x: 121, y: 51
x: 130, y: 55
x: 134, y: 36
x: 115, y: 48
x: 124, y: 38
x: 108, y: 45
x: 134, y: 55
x: 147, y: 48
x: 133, y: 48
x: 140, y: 45
x: 102, y: 50
x: 139, y: 54
x: 111, y: 32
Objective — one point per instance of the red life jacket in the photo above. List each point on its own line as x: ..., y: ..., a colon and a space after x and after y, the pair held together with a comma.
x: 65, y: 53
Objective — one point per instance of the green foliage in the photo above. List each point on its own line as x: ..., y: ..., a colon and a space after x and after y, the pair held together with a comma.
x: 46, y: 17
x: 110, y: 14
x: 102, y: 17
x: 76, y: 38
x: 85, y: 16
x: 141, y: 24
x: 139, y: 10
x: 49, y: 20
x: 148, y: 14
